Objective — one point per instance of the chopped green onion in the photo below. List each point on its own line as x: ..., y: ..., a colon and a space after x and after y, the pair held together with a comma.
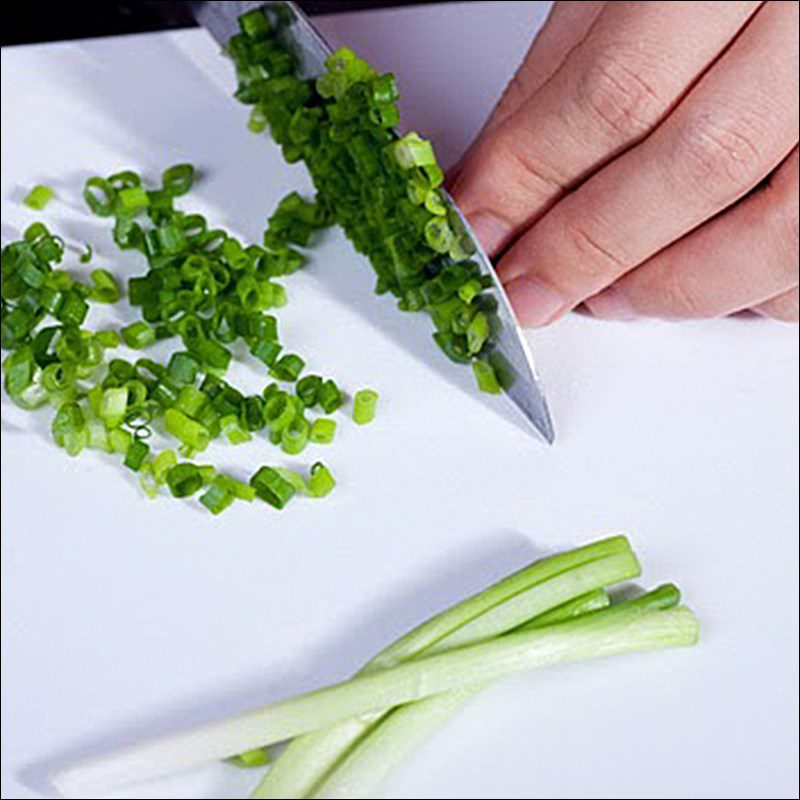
x: 105, y: 289
x: 131, y: 201
x: 241, y: 491
x: 207, y: 473
x: 59, y: 378
x: 365, y: 403
x: 329, y: 396
x: 320, y: 481
x: 413, y: 151
x: 252, y: 413
x: 38, y: 197
x: 384, y: 190
x: 113, y: 406
x: 186, y: 430
x: 272, y: 488
x: 300, y: 486
x: 477, y: 332
x: 191, y: 401
x: 233, y: 430
x: 182, y: 368
x: 138, y: 335
x: 107, y: 339
x: 217, y: 497
x: 136, y: 454
x: 279, y: 411
x: 486, y: 377
x: 126, y: 179
x: 69, y: 428
x: 323, y: 430
x: 295, y: 436
x: 162, y: 464
x: 287, y: 367
x: 147, y: 480
x: 72, y: 310
x: 266, y: 351
x: 19, y: 369
x: 178, y: 180
x: 307, y: 390
x: 99, y: 195
x: 119, y: 440
x: 202, y: 285
x: 184, y: 479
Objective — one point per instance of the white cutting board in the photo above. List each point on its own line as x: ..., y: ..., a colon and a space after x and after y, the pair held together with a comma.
x: 123, y: 618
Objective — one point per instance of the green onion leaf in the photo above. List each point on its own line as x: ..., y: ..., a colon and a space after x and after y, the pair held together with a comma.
x: 136, y: 454
x: 138, y: 335
x: 38, y: 197
x: 272, y: 487
x: 323, y: 430
x: 365, y: 403
x: 178, y: 180
x: 320, y: 481
x: 184, y: 479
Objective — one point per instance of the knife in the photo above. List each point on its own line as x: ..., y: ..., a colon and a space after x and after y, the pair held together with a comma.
x: 510, y: 354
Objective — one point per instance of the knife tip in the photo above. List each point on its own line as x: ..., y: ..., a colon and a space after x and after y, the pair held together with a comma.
x: 546, y: 429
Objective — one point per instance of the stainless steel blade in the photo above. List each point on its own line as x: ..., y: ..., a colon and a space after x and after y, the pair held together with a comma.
x: 510, y: 354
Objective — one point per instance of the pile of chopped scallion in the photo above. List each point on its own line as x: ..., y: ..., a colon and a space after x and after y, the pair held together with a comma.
x: 384, y: 191
x: 208, y: 290
x: 345, y: 738
x: 203, y: 289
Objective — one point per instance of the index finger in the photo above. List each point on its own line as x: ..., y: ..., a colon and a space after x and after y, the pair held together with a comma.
x: 635, y: 63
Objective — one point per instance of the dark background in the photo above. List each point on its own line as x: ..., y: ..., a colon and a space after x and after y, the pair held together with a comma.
x: 25, y: 22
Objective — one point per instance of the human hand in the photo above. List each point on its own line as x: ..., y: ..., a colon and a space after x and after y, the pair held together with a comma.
x: 644, y: 162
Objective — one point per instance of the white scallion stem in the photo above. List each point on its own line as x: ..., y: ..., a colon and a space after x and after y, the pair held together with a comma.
x: 408, y: 682
x: 525, y: 595
x: 389, y: 741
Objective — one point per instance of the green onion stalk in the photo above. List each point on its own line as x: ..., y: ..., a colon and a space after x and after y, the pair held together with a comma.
x: 418, y: 667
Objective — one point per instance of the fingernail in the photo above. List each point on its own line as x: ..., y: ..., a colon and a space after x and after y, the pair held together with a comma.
x: 491, y: 231
x: 535, y: 303
x: 611, y: 304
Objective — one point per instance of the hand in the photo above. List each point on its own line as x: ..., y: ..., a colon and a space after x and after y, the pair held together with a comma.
x: 644, y: 161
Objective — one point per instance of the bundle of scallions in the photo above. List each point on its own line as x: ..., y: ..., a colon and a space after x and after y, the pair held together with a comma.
x: 346, y: 737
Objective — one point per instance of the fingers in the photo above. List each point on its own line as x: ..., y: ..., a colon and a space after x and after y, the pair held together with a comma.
x: 746, y: 257
x: 732, y: 130
x: 784, y: 307
x: 566, y: 25
x: 635, y: 62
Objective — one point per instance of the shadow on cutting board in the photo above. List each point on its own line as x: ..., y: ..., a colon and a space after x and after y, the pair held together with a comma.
x: 454, y: 577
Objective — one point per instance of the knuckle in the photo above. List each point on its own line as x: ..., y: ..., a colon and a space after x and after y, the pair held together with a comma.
x: 596, y: 251
x: 721, y: 157
x: 595, y: 258
x: 615, y: 92
x: 526, y: 170
x: 502, y: 173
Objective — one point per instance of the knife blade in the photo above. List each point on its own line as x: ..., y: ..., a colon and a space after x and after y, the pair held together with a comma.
x: 510, y: 353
